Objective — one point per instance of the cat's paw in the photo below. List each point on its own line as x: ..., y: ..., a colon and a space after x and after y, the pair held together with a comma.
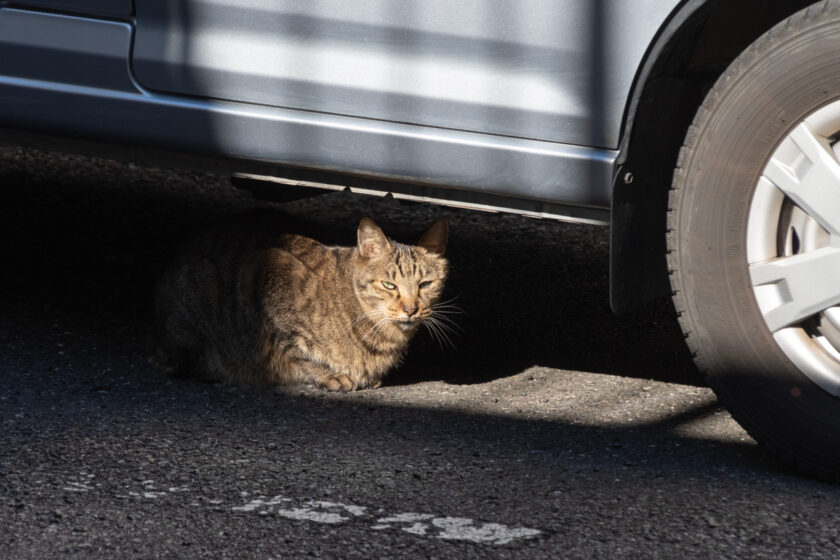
x: 337, y: 382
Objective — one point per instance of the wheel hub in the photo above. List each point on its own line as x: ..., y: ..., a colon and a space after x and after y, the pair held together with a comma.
x: 793, y: 246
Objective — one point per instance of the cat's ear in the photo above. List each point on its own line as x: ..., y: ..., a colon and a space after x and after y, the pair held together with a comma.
x: 372, y: 243
x: 436, y: 237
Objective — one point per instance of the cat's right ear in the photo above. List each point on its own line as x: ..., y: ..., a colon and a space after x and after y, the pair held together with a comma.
x: 372, y: 243
x: 436, y: 237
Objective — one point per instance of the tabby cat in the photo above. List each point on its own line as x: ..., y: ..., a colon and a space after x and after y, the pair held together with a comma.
x: 246, y: 303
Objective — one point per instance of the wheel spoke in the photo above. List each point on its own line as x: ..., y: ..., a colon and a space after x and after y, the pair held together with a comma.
x: 802, y: 285
x: 814, y: 183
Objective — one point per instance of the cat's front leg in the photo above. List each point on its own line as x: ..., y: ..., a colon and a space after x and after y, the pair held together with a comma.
x: 337, y: 382
x: 299, y: 368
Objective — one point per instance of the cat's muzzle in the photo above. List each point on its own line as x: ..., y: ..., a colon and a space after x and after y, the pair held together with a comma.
x: 409, y: 323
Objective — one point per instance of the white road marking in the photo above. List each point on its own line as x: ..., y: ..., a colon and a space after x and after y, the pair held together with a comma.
x: 254, y: 505
x: 317, y: 511
x: 460, y: 529
x: 81, y: 483
x: 307, y: 514
x: 151, y: 492
x: 420, y: 524
x: 417, y: 529
x: 356, y: 511
x: 77, y: 487
x: 332, y: 513
x: 406, y: 518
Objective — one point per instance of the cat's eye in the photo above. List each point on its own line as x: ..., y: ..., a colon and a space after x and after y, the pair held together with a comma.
x: 425, y: 284
x: 388, y: 285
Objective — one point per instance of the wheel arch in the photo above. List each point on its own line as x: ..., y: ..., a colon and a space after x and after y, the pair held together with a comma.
x: 693, y: 48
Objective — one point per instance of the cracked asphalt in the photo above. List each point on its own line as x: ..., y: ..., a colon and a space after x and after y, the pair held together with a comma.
x: 549, y: 428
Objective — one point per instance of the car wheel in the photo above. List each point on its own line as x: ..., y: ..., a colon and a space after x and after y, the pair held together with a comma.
x: 754, y: 239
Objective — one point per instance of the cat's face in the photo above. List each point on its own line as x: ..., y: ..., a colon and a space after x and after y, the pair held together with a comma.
x: 397, y: 284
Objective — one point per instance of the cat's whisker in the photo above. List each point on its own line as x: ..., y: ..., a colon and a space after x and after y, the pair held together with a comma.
x: 377, y: 326
x: 448, y: 313
x: 442, y: 339
x: 380, y: 325
x: 439, y: 331
x: 445, y: 308
x: 446, y: 336
x: 449, y: 306
x: 448, y: 325
x: 447, y: 303
x: 364, y: 316
x: 444, y: 312
x: 368, y: 315
x: 433, y: 332
x: 370, y: 330
x: 446, y: 322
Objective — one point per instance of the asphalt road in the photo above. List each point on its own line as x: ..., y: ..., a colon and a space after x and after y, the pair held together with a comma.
x: 548, y: 429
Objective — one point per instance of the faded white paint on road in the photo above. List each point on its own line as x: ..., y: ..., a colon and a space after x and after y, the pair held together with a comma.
x: 421, y: 524
x: 334, y: 513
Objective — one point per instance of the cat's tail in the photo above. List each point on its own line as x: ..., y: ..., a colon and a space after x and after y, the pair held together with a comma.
x: 180, y: 364
x: 168, y: 355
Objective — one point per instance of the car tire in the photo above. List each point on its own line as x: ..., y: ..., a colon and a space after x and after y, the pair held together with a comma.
x: 754, y: 237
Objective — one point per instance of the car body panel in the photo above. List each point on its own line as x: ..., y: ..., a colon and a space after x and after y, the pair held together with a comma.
x: 71, y: 75
x: 556, y: 70
x: 61, y: 49
x: 87, y: 7
x: 460, y: 160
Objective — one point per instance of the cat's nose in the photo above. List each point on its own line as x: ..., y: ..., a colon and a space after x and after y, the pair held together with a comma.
x: 410, y: 310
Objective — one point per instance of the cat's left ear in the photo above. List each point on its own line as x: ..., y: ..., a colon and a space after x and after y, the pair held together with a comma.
x: 372, y: 243
x: 436, y: 237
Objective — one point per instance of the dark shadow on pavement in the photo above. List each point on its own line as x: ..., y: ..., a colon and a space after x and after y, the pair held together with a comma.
x: 93, y: 235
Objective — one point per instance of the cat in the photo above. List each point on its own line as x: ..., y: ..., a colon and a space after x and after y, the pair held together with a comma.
x: 247, y: 303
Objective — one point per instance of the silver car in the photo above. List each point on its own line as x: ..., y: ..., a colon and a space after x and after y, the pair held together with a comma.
x: 704, y: 133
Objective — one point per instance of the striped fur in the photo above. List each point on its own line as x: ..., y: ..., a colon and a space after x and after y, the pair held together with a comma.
x: 245, y: 303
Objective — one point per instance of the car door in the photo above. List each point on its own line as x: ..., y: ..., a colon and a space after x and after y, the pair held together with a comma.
x: 555, y: 70
x: 115, y: 8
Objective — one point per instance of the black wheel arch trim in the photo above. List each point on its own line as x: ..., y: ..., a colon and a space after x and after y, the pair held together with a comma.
x: 661, y: 106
